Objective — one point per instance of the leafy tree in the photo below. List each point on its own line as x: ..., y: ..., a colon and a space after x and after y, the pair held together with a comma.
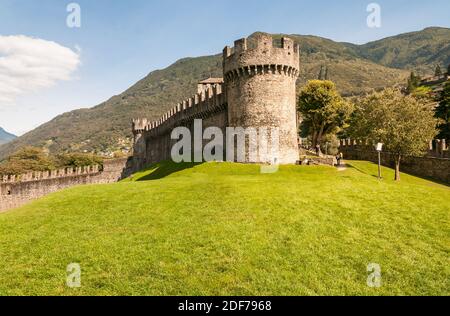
x: 321, y: 73
x: 403, y: 123
x: 438, y: 71
x: 423, y: 94
x: 442, y: 112
x: 413, y: 82
x: 27, y: 159
x: 324, y: 111
x: 77, y: 160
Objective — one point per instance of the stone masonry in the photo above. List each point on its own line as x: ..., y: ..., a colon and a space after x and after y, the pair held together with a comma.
x: 16, y: 191
x: 429, y: 166
x: 258, y: 91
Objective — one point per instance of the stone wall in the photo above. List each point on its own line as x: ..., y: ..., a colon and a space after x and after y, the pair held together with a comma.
x: 261, y: 91
x: 152, y: 141
x: 17, y: 191
x: 258, y: 92
x: 438, y: 149
x: 427, y: 167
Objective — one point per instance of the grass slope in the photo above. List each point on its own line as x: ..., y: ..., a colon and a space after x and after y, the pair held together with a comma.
x: 226, y: 229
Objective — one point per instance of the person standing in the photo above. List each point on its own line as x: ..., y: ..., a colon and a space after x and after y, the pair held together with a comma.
x: 318, y: 150
x: 339, y: 158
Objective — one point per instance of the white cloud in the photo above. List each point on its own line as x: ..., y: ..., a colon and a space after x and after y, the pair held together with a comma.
x: 28, y: 64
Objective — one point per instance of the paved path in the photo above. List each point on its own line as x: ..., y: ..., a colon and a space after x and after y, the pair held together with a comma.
x: 342, y: 167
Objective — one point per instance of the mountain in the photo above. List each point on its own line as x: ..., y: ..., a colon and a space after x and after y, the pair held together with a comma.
x: 420, y: 51
x: 6, y: 137
x: 354, y: 68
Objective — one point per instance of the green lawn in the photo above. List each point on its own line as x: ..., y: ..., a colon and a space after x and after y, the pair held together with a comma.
x: 226, y: 229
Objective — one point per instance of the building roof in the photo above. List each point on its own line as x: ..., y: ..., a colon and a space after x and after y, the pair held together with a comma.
x: 211, y: 81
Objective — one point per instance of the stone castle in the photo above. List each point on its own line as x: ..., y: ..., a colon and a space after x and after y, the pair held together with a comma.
x: 258, y: 90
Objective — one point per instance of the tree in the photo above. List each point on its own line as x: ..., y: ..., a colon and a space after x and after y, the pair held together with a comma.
x: 26, y: 160
x: 413, y: 82
x: 438, y: 71
x: 321, y: 73
x: 77, y: 160
x: 29, y: 159
x: 324, y: 111
x: 442, y: 112
x: 448, y: 69
x: 402, y: 123
x: 424, y: 94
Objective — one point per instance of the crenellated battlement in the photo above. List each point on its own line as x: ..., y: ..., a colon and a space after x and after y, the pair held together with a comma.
x: 437, y: 148
x: 17, y: 190
x: 259, y: 56
x: 434, y: 165
x: 436, y: 144
x: 51, y: 174
x: 263, y: 97
x: 348, y: 142
x: 202, y: 103
x: 139, y: 125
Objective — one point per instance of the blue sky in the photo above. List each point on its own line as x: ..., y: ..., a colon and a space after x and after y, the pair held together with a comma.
x: 120, y: 42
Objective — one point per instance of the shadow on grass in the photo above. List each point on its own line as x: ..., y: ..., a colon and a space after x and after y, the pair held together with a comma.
x: 369, y: 173
x: 164, y: 169
x: 349, y: 165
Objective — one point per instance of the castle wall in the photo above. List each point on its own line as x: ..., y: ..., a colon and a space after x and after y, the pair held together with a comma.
x: 153, y: 141
x: 158, y: 148
x: 259, y: 92
x: 15, y: 192
x: 217, y: 119
x: 261, y: 101
x: 427, y: 167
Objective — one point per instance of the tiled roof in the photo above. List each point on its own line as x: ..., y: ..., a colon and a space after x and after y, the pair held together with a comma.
x: 211, y: 81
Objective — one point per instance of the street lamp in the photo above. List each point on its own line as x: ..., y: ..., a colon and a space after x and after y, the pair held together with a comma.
x: 379, y: 149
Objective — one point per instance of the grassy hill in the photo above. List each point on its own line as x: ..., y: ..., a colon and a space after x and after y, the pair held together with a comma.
x: 226, y: 229
x: 5, y: 136
x: 355, y: 69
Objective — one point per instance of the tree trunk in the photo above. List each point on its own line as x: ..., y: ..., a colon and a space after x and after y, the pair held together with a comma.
x: 314, y: 139
x: 320, y: 134
x: 319, y: 139
x: 397, y: 167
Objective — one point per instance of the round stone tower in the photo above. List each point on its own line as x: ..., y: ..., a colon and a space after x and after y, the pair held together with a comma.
x: 261, y: 91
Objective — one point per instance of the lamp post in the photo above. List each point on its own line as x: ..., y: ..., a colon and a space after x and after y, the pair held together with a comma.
x: 379, y: 148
